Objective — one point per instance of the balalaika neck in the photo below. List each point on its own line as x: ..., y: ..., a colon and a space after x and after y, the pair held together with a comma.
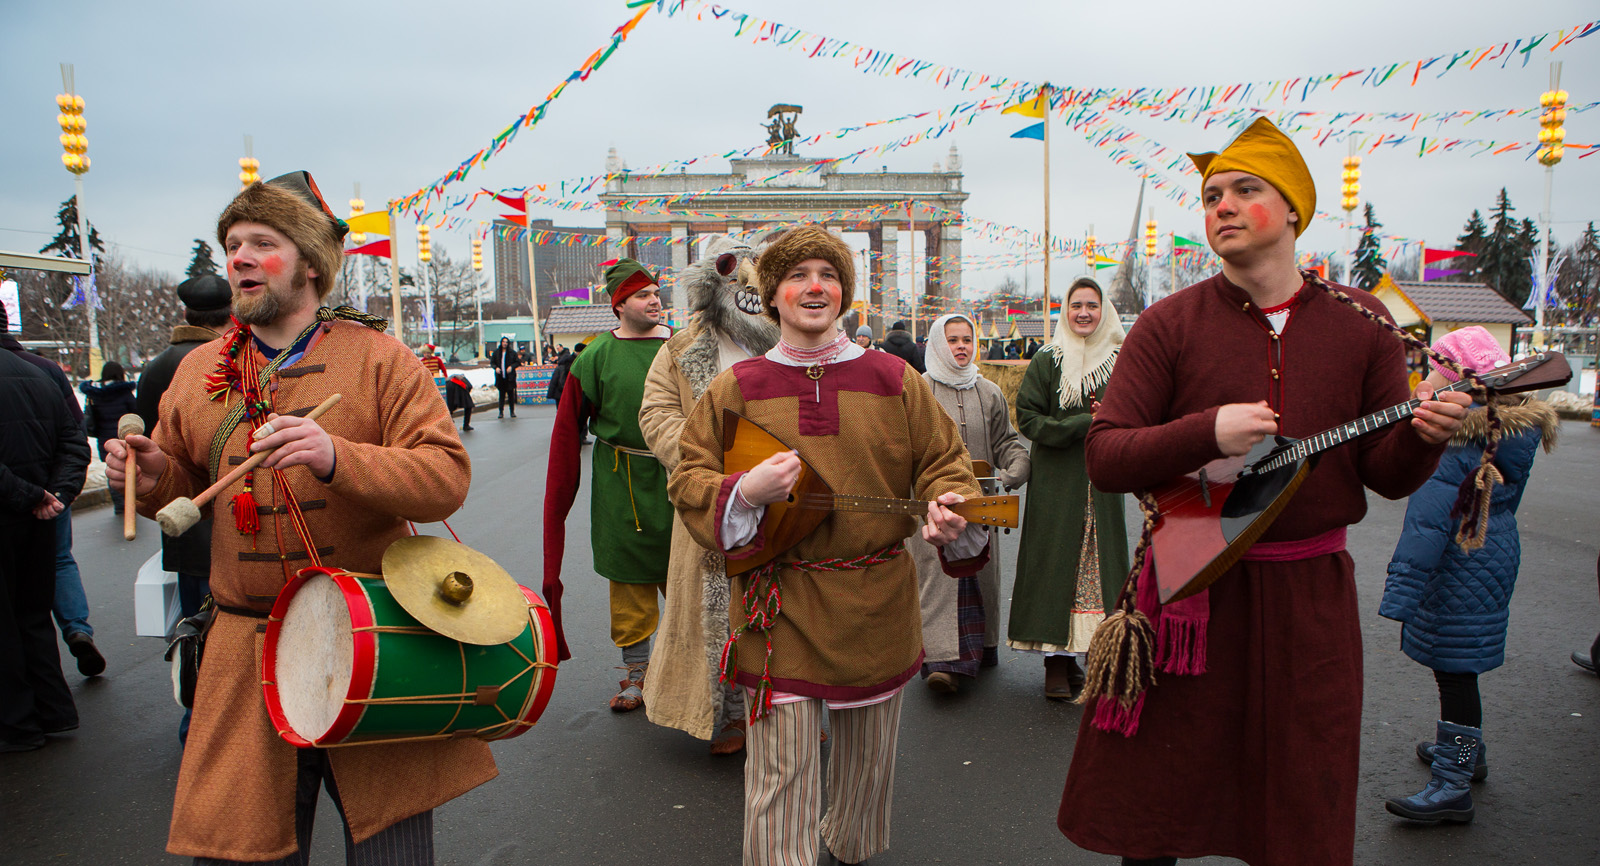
x: 865, y: 504
x: 1345, y: 432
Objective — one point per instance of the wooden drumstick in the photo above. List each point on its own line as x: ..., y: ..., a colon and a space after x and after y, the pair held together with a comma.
x: 129, y: 425
x: 181, y: 514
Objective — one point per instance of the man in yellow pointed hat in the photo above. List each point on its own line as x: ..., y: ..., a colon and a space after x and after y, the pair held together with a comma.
x: 1246, y: 745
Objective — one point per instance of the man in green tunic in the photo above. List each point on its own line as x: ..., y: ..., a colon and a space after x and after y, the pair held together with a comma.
x: 630, y: 518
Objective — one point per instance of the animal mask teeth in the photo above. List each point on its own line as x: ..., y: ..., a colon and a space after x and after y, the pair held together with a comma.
x: 748, y: 302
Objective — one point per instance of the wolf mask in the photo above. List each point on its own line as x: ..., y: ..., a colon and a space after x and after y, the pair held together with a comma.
x: 721, y: 292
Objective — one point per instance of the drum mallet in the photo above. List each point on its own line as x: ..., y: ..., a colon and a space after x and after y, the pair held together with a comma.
x: 129, y: 425
x: 182, y: 514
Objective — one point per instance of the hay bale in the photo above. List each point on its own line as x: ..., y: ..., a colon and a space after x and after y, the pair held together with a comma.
x: 1007, y: 375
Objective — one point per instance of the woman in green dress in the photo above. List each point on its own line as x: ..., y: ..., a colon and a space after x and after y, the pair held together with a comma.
x: 1073, y: 554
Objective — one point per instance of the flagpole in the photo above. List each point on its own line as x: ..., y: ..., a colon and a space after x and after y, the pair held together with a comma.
x: 1044, y: 96
x: 533, y: 280
x: 396, y: 311
x: 1172, y: 263
x: 1544, y: 240
x: 1422, y: 261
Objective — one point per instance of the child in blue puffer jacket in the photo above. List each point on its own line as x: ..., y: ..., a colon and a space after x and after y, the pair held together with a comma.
x: 1453, y: 604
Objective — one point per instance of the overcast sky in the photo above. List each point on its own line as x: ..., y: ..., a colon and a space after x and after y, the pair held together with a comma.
x: 395, y: 94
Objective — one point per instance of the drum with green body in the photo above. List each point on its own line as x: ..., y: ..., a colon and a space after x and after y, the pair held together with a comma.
x: 344, y: 663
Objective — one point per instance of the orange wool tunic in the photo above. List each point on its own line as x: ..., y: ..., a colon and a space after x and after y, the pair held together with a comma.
x: 398, y: 457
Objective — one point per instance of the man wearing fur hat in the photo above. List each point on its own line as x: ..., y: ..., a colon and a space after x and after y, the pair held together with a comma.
x: 630, y: 528
x: 729, y: 325
x: 1247, y: 744
x: 337, y: 491
x: 834, y: 623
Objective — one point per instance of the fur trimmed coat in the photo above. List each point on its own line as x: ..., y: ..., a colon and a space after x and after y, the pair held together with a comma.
x: 1455, y: 606
x: 682, y: 690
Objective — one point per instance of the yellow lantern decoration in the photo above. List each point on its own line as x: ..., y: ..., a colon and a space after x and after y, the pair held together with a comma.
x: 1551, y: 126
x: 73, y: 125
x: 1350, y: 186
x: 249, y: 171
x: 424, y: 248
x: 357, y: 208
x: 477, y: 254
x: 1150, y: 239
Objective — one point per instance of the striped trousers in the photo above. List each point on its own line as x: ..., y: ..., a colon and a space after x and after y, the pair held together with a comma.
x: 406, y: 843
x: 783, y: 783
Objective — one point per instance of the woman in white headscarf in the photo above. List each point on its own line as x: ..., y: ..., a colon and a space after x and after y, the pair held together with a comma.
x: 1073, y: 555
x: 961, y: 617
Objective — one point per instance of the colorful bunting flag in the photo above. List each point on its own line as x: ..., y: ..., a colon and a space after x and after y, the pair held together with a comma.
x: 1431, y: 256
x: 381, y: 249
x: 1034, y: 131
x: 375, y: 223
x: 1030, y: 108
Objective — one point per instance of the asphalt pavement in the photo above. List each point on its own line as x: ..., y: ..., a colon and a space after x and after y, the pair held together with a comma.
x: 979, y: 773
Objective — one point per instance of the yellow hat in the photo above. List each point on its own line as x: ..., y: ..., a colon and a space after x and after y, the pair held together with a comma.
x: 1264, y: 151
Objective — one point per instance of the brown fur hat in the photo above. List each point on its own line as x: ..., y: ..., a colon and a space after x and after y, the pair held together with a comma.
x: 311, y: 230
x: 809, y: 241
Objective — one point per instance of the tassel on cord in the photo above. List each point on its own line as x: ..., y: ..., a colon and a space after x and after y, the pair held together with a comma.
x: 1120, y: 665
x: 245, y: 516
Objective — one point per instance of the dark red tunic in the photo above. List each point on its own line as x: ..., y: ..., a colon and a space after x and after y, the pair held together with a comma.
x: 1256, y: 758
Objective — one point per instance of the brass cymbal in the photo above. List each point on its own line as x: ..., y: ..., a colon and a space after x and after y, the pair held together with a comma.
x: 455, y: 590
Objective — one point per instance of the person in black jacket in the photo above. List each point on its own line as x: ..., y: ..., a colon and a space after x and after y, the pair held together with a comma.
x: 207, y: 303
x: 898, y: 342
x: 43, y: 459
x: 71, y: 603
x: 505, y: 360
x: 558, y: 381
x: 109, y: 400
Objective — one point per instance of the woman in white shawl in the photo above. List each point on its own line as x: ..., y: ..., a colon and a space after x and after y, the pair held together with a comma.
x: 961, y: 617
x: 1073, y: 555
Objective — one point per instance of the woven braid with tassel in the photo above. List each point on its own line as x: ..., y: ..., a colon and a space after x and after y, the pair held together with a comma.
x: 1121, y: 663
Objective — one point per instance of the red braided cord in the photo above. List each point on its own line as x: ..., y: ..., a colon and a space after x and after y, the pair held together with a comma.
x: 763, y: 602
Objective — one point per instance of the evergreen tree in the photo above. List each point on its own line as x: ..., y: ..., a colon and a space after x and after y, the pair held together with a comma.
x: 65, y: 243
x: 1472, y: 240
x: 1369, y: 261
x: 1578, y: 286
x: 1503, y: 264
x: 200, y: 261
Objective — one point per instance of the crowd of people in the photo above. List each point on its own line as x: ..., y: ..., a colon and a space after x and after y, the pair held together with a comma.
x: 753, y: 596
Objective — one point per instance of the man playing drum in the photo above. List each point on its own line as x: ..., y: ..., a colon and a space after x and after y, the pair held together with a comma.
x: 338, y: 491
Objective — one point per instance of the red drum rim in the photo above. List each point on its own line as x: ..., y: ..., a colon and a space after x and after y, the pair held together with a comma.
x: 363, y: 667
x: 544, y: 636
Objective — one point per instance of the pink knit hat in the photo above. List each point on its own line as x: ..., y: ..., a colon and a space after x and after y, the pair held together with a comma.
x: 1474, y: 348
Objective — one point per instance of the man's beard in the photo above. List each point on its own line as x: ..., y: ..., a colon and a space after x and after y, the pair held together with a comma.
x: 267, y: 307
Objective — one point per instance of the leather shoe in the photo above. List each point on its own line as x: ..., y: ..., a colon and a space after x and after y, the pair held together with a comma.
x: 21, y: 745
x: 943, y: 682
x: 1584, y: 660
x: 90, y: 662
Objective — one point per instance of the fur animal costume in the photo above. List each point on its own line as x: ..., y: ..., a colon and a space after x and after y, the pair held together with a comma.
x: 728, y: 324
x: 290, y: 204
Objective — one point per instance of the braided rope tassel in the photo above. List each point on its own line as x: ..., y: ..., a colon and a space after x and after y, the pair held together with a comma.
x: 1120, y: 664
x: 1477, y: 489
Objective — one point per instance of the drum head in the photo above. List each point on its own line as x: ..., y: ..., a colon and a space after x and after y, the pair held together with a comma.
x: 314, y: 657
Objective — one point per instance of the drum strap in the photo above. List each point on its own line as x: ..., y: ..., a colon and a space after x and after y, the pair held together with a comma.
x: 242, y: 611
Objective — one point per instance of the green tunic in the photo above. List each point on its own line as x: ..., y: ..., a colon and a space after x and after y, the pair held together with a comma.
x: 1054, y: 520
x: 630, y: 518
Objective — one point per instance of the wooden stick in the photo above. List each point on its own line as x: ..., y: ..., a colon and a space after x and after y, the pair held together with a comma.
x: 256, y: 459
x: 129, y: 425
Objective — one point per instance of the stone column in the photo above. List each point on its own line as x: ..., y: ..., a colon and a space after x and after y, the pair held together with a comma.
x: 950, y: 262
x: 616, y: 240
x: 886, y: 274
x: 680, y: 260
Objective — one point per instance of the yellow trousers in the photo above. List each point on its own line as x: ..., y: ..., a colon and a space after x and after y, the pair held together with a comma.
x: 634, y: 611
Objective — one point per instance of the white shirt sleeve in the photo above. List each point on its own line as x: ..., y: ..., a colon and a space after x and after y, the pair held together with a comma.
x: 740, y: 521
x: 968, y: 544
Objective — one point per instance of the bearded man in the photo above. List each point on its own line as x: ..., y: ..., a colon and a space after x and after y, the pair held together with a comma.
x: 630, y: 526
x: 337, y: 490
x: 729, y: 326
x: 834, y: 624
